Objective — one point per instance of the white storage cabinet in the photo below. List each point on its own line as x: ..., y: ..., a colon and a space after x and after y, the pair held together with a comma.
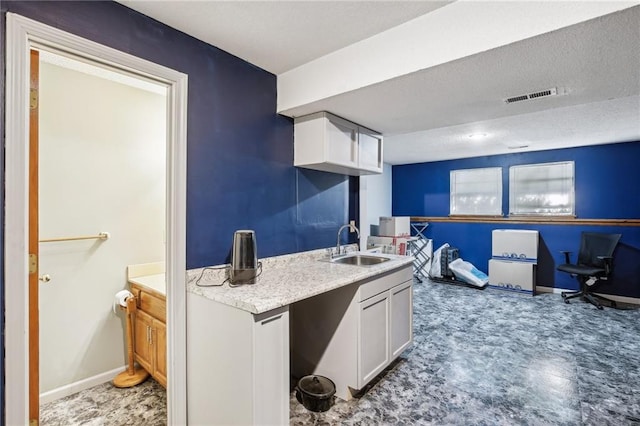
x: 352, y: 333
x: 323, y: 141
x: 514, y: 244
x: 239, y: 375
x: 512, y: 275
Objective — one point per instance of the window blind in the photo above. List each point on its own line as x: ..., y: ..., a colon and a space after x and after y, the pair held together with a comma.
x: 476, y: 192
x: 542, y: 189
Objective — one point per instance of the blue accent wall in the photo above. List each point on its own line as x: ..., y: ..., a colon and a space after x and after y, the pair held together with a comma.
x: 607, y: 186
x: 240, y: 172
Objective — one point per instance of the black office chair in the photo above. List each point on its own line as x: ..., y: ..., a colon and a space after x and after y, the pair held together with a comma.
x: 594, y: 266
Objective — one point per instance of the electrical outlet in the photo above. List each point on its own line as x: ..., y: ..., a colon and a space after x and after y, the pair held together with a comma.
x: 352, y: 223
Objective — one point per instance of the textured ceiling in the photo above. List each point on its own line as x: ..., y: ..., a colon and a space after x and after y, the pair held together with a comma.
x: 596, y: 123
x: 428, y: 115
x: 589, y: 64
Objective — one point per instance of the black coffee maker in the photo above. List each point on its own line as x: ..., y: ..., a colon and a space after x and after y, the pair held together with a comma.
x: 244, y: 260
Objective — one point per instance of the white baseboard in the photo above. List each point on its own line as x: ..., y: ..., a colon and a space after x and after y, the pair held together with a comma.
x: 622, y: 299
x: 80, y: 385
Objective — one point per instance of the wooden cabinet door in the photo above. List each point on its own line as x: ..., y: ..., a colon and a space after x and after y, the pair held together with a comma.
x: 373, y: 347
x: 142, y: 340
x: 341, y: 142
x: 401, y: 318
x: 370, y: 151
x: 160, y: 352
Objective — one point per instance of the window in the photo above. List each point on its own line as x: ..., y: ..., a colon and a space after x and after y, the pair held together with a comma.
x: 476, y: 192
x: 542, y: 189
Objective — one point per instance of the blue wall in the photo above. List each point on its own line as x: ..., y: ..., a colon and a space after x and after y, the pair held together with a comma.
x: 240, y: 172
x: 607, y: 187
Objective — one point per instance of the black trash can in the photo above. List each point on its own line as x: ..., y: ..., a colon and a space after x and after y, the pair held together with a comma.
x: 316, y: 393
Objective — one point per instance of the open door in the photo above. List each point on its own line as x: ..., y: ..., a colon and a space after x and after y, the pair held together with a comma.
x: 34, y: 329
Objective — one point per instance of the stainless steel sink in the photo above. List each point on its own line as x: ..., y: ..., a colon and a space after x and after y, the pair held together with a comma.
x: 359, y: 260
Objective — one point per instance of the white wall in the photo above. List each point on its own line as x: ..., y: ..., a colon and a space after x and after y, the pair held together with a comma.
x: 375, y: 201
x: 102, y: 168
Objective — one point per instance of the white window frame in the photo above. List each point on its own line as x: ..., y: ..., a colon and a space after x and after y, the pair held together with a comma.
x: 462, y: 182
x: 563, y: 192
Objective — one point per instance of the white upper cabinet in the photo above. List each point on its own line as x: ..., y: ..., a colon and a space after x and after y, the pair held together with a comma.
x: 369, y: 150
x: 323, y: 141
x: 341, y: 142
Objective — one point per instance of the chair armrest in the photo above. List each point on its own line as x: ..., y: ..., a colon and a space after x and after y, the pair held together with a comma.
x: 607, y: 260
x: 566, y: 253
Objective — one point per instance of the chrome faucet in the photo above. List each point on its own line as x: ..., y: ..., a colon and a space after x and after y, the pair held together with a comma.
x: 353, y: 228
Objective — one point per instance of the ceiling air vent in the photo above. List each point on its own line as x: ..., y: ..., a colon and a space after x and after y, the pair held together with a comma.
x: 533, y: 95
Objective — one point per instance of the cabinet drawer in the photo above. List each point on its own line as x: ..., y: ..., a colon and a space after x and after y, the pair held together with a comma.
x: 153, y: 305
x: 385, y: 282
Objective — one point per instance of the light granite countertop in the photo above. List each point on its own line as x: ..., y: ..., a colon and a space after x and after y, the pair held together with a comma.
x: 285, y: 280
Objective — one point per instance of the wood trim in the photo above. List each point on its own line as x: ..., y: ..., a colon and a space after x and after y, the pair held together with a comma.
x: 528, y: 220
x: 34, y: 315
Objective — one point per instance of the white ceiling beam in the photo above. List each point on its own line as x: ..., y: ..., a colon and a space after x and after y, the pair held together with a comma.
x: 455, y: 31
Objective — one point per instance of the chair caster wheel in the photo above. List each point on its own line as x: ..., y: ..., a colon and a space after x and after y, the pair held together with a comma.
x: 564, y: 295
x: 566, y: 301
x: 600, y: 307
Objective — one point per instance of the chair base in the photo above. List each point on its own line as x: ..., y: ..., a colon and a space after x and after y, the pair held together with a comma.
x: 587, y: 296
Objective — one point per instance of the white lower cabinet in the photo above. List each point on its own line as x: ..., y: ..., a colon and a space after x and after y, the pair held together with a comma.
x: 237, y: 365
x: 353, y: 333
x: 401, y: 303
x: 373, y: 333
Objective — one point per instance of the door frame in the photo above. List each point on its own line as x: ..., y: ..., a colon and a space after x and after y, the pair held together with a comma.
x: 22, y: 35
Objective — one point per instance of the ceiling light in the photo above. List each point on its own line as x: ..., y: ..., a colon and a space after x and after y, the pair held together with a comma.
x: 478, y: 136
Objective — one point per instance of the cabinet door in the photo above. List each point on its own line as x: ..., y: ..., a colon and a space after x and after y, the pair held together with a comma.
x: 271, y: 367
x: 142, y: 340
x: 370, y: 151
x: 341, y: 142
x: 401, y: 318
x: 160, y: 352
x: 373, y: 347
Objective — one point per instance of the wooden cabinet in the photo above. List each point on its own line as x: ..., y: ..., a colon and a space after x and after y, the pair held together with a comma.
x: 142, y: 340
x: 160, y: 352
x: 323, y: 141
x: 150, y: 332
x: 353, y: 333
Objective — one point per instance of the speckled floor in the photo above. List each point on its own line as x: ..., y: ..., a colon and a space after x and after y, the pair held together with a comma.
x: 106, y: 405
x: 488, y: 357
x: 480, y: 357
